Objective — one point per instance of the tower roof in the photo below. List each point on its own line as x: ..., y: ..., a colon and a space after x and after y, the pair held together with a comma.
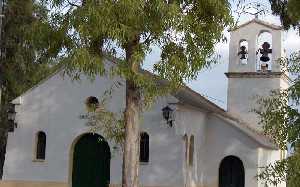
x: 260, y: 22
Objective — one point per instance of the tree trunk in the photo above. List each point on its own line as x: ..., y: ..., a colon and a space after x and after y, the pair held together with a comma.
x: 3, y: 128
x: 3, y: 141
x: 131, y: 147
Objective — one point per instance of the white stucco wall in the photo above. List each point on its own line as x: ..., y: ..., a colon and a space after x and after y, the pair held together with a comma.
x: 54, y: 107
x: 243, y: 94
x: 267, y: 157
x: 224, y: 140
x: 192, y: 121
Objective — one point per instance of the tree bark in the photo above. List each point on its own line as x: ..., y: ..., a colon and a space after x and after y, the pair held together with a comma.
x: 3, y: 128
x: 3, y: 141
x: 131, y: 147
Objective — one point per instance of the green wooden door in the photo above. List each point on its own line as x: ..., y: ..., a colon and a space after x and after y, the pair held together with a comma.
x: 91, y: 162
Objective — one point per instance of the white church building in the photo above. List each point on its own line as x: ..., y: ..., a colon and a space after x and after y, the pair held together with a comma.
x: 205, y: 146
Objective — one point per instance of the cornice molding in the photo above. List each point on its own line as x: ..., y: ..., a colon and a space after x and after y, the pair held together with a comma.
x: 268, y: 74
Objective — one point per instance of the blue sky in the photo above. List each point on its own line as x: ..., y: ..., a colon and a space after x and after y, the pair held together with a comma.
x: 212, y: 82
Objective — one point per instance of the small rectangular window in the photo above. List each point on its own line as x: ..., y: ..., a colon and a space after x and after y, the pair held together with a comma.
x: 144, y: 147
x: 41, y: 146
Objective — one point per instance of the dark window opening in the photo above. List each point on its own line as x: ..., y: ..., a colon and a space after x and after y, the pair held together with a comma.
x: 91, y: 103
x: 41, y: 146
x: 231, y: 172
x: 144, y: 147
x: 191, y: 155
x: 186, y: 144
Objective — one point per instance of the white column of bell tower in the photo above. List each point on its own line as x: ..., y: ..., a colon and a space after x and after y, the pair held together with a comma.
x: 245, y: 80
x: 278, y: 51
x: 234, y: 46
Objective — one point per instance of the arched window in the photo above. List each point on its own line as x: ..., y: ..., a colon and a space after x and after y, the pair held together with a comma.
x: 41, y: 146
x: 91, y: 103
x: 186, y: 147
x: 191, y: 151
x: 264, y: 51
x: 144, y: 147
x: 231, y: 172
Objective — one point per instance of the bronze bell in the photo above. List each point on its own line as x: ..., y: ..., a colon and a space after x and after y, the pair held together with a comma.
x: 264, y: 51
x: 243, y: 52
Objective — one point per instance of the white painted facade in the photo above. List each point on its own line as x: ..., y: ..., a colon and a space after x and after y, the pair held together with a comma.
x: 54, y: 106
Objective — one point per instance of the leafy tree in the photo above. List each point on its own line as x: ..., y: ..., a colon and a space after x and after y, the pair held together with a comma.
x: 91, y: 30
x: 280, y: 111
x: 21, y: 60
x: 288, y: 11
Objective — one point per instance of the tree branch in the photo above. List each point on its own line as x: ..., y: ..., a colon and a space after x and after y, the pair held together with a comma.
x: 148, y: 40
x: 72, y: 4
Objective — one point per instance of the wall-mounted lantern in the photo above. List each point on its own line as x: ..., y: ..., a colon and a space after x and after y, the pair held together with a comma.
x: 11, y: 116
x: 167, y: 114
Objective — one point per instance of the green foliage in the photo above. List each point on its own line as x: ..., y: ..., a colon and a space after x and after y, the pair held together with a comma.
x: 280, y: 119
x: 21, y: 64
x: 23, y: 60
x: 93, y: 31
x: 186, y: 31
x: 99, y: 119
x: 111, y: 125
x: 279, y: 112
x: 288, y: 11
x: 286, y: 170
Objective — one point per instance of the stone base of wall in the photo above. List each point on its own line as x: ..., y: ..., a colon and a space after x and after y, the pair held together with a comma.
x: 31, y: 184
x: 118, y: 185
x: 47, y: 184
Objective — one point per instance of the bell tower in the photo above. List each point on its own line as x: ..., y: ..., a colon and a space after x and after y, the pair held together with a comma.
x: 254, y: 69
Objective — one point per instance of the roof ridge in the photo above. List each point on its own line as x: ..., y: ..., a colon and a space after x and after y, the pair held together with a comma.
x: 258, y: 21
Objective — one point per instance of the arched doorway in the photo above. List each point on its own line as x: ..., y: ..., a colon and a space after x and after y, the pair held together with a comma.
x: 91, y: 162
x: 231, y: 172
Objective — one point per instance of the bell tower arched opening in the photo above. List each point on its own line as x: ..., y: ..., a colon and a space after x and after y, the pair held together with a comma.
x: 243, y: 51
x: 264, y: 57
